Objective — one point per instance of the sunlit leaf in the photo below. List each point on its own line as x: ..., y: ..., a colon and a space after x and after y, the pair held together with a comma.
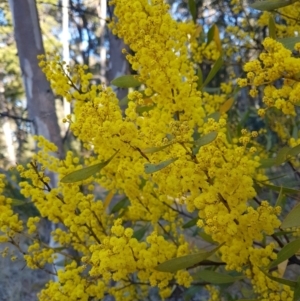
x: 217, y: 38
x: 292, y: 219
x: 193, y: 9
x: 286, y: 252
x: 183, y: 262
x: 289, y: 43
x: 126, y: 81
x: 272, y: 28
x: 269, y: 5
x: 107, y: 199
x: 151, y: 168
x: 225, y: 107
x: 282, y: 268
x: 215, y: 277
x: 85, y: 173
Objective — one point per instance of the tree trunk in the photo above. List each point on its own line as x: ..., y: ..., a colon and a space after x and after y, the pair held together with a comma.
x: 40, y: 98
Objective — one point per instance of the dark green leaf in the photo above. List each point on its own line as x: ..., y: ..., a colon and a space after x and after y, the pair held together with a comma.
x: 272, y: 28
x: 139, y: 234
x: 126, y: 81
x: 215, y: 277
x: 85, y: 173
x: 183, y: 262
x: 190, y: 293
x: 151, y: 168
x: 297, y: 291
x: 269, y: 5
x: 200, y: 78
x: 210, y: 34
x: 193, y: 9
x: 214, y: 70
x: 292, y: 219
x: 120, y: 205
x: 286, y: 252
x: 190, y: 223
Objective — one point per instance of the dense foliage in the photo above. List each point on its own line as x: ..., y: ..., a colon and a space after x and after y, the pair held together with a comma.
x: 186, y: 172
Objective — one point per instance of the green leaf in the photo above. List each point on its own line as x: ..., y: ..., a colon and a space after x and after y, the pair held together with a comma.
x: 269, y: 5
x: 294, y: 151
x: 193, y: 9
x: 151, y: 168
x: 190, y: 223
x: 281, y: 280
x: 215, y: 277
x: 280, y: 198
x: 297, y: 290
x: 215, y: 116
x: 124, y: 101
x: 120, y: 205
x: 279, y: 188
x: 206, y: 237
x: 184, y: 262
x: 214, y: 70
x: 267, y: 163
x: 210, y: 34
x: 17, y: 203
x: 139, y: 234
x: 282, y: 155
x: 126, y: 81
x: 292, y: 219
x: 289, y: 43
x: 286, y: 252
x: 85, y: 173
x: 206, y: 139
x: 272, y: 28
x: 226, y: 106
x: 155, y: 149
x: 200, y: 78
x: 190, y: 293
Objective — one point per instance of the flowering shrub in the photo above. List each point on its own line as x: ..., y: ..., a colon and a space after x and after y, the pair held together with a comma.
x: 172, y: 156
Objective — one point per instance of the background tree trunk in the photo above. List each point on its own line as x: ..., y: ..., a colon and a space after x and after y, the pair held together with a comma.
x: 40, y: 98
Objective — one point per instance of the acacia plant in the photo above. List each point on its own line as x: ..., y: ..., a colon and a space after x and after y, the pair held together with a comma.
x: 186, y: 176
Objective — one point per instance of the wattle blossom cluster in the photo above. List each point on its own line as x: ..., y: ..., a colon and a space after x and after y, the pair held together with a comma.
x: 165, y: 120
